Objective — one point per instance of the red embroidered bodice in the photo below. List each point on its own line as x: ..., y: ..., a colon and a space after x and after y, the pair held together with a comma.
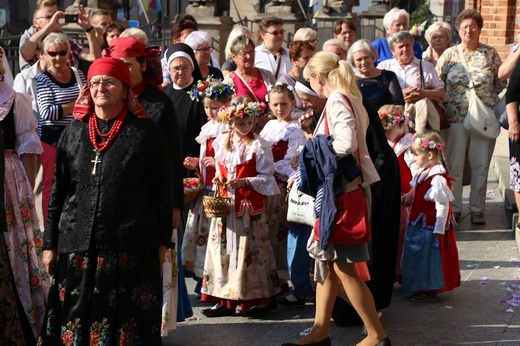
x: 422, y: 206
x: 245, y: 196
x: 210, y: 171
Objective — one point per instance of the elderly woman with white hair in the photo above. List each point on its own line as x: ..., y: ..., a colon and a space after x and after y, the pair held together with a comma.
x: 418, y: 79
x: 394, y: 21
x: 200, y: 42
x: 438, y: 35
x: 380, y: 87
x: 337, y: 47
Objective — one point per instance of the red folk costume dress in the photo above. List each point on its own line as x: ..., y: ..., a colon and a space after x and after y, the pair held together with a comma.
x: 430, y: 257
x: 286, y: 139
x: 197, y: 225
x: 240, y: 266
x: 407, y: 168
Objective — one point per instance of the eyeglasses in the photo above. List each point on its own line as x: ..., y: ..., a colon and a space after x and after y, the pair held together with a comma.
x: 315, y: 41
x: 49, y: 16
x: 438, y: 37
x: 276, y: 32
x: 106, y: 84
x: 471, y: 28
x: 182, y: 68
x: 60, y: 53
x: 204, y: 50
x: 246, y: 53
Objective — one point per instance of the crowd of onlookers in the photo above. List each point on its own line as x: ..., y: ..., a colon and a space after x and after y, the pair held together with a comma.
x: 268, y: 120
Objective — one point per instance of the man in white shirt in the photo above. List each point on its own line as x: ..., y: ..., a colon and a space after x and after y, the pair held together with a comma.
x: 270, y: 55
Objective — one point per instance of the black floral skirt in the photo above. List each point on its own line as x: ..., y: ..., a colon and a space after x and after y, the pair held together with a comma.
x: 104, y: 298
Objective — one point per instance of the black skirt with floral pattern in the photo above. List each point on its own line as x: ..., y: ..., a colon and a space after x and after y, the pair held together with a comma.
x: 104, y: 298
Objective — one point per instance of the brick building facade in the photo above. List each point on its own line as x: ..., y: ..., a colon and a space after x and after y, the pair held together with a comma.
x: 500, y: 22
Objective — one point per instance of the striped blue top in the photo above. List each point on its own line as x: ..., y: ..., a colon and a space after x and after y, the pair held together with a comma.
x: 50, y: 95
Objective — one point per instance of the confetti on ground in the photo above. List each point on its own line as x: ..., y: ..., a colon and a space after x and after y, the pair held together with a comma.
x: 497, y: 267
x: 491, y: 192
x: 483, y: 281
x: 305, y: 332
x: 513, y: 293
x: 296, y: 317
x: 471, y: 265
x: 502, y: 284
x: 448, y: 307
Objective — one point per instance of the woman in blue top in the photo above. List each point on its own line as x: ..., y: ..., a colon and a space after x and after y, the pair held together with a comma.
x: 394, y: 21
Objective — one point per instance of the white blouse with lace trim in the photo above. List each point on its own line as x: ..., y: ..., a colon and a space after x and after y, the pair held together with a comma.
x: 404, y: 146
x: 211, y: 129
x: 241, y: 152
x: 275, y: 131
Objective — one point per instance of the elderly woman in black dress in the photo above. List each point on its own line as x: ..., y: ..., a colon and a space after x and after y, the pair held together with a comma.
x: 110, y: 219
x: 380, y: 87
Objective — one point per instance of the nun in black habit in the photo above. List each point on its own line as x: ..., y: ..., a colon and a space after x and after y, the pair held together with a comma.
x: 384, y: 221
x: 185, y: 73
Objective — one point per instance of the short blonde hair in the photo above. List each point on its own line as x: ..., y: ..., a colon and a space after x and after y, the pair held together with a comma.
x: 238, y: 30
x: 55, y: 38
x: 338, y: 73
x: 303, y: 34
x: 436, y: 26
x: 136, y: 33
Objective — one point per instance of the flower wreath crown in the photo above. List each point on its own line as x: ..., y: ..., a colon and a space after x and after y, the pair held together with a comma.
x: 241, y: 111
x: 306, y: 115
x: 277, y: 84
x: 390, y: 120
x: 209, y: 89
x: 427, y: 144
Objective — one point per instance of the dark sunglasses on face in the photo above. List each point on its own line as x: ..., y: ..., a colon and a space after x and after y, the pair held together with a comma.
x: 61, y: 53
x: 276, y: 32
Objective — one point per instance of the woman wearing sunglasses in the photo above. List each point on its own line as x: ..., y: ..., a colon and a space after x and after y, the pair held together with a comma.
x: 57, y: 90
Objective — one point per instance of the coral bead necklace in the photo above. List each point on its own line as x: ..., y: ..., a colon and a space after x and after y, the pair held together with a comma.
x: 110, y: 136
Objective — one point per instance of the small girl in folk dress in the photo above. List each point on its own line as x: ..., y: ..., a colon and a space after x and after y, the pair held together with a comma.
x: 430, y: 260
x: 286, y: 138
x: 240, y: 268
x: 214, y: 95
x: 395, y: 123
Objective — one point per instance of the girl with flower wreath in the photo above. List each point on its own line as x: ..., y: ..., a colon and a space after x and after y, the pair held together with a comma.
x: 286, y: 138
x: 213, y: 95
x: 240, y: 268
x: 430, y: 260
x: 395, y: 123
